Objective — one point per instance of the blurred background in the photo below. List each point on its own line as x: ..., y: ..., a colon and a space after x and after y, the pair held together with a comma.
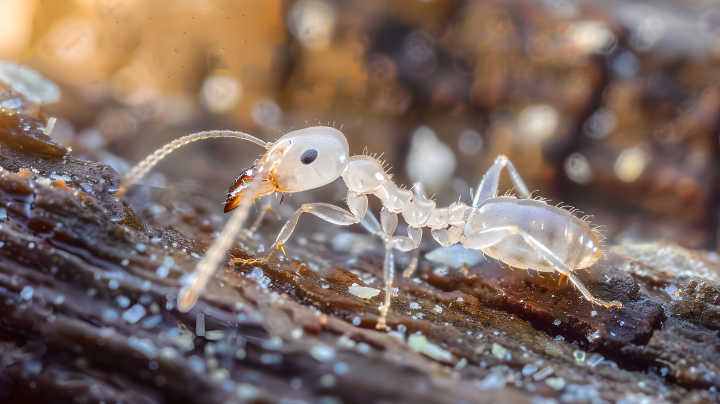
x: 609, y: 106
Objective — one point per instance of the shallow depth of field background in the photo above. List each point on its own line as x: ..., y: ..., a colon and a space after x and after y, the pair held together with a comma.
x: 609, y: 106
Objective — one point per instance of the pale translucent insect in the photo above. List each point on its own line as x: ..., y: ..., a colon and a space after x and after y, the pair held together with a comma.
x: 523, y: 233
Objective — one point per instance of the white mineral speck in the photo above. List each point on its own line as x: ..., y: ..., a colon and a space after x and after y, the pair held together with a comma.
x: 341, y: 368
x: 143, y: 345
x: 59, y: 300
x: 498, y: 350
x: 214, y: 335
x: 592, y: 337
x: 356, y: 320
x: 363, y: 292
x: 363, y: 348
x: 31, y: 245
x: 113, y: 284
x: 273, y: 344
x: 109, y: 315
x: 414, y: 305
x: 200, y: 325
x: 322, y: 353
x: 134, y: 314
x: 271, y: 359
x: 152, y: 321
x: 594, y: 360
x: 492, y: 381
x: 557, y: 322
x: 247, y: 392
x: 579, y: 356
x: 196, y: 363
x: 123, y: 301
x: 527, y: 370
x: 438, y: 309
x: 164, y: 268
x: 328, y: 381
x: 556, y: 383
x: 545, y: 372
x: 593, y: 313
x: 27, y: 293
x: 124, y: 262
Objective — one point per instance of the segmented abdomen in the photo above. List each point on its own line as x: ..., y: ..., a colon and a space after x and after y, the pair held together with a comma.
x: 567, y: 237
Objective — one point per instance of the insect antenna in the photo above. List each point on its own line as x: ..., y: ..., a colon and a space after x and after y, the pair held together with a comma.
x: 190, y: 293
x: 150, y: 161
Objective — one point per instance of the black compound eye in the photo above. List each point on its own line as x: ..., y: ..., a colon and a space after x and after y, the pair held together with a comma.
x: 308, y: 156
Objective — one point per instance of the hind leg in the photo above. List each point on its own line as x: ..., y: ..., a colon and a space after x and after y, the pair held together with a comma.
x: 561, y: 268
x: 489, y: 237
x: 489, y: 183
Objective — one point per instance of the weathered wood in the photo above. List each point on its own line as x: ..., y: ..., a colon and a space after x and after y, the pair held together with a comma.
x: 88, y: 315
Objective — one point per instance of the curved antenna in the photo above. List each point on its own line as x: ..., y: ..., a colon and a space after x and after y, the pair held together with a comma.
x: 190, y: 293
x: 150, y: 161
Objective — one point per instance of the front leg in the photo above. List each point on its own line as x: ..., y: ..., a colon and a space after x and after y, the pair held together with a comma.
x: 330, y: 213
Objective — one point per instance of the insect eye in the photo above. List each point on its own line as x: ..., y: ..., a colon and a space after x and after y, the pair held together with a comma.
x: 308, y: 156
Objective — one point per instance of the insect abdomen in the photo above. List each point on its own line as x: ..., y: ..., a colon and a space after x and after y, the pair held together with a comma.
x: 567, y: 237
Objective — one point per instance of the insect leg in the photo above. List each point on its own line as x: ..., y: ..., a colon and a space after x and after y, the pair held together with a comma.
x: 389, y: 221
x: 563, y: 269
x: 488, y: 237
x: 400, y: 243
x: 517, y: 181
x: 327, y: 212
x: 206, y: 267
x: 489, y: 183
x: 371, y: 224
x: 413, y: 264
x: 388, y: 274
x: 419, y: 189
x: 264, y: 208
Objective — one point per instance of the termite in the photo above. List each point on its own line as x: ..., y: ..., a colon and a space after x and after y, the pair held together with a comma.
x: 524, y: 233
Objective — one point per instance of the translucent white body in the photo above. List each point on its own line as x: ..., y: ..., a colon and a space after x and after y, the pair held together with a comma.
x: 524, y: 233
x: 568, y: 237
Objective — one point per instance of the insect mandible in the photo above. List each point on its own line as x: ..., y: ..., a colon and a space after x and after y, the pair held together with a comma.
x: 523, y: 233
